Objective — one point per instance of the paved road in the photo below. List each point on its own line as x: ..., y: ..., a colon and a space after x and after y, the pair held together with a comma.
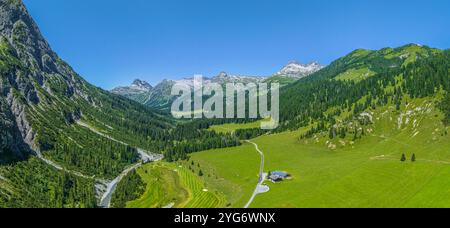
x: 105, y: 202
x: 146, y: 157
x: 109, y: 187
x: 260, y: 188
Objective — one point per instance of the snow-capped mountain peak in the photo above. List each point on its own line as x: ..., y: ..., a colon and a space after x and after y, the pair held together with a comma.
x: 298, y: 70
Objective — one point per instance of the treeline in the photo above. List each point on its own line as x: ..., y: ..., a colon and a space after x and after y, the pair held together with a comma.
x: 207, y: 140
x: 207, y: 123
x: 445, y: 107
x: 245, y: 134
x: 188, y: 137
x: 34, y: 184
x: 130, y: 188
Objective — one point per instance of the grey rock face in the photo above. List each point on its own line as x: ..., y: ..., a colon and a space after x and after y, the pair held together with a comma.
x: 19, y: 28
x: 224, y: 78
x: 12, y: 146
x: 142, y: 85
x: 30, y: 65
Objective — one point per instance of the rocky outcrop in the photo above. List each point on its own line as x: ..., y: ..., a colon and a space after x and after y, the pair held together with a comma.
x: 28, y: 66
x: 20, y: 29
x: 12, y: 146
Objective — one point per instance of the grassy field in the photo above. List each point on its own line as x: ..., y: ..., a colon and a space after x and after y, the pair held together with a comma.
x: 365, y: 173
x: 325, y: 173
x: 233, y: 171
x: 231, y: 128
x: 355, y: 75
x: 175, y: 185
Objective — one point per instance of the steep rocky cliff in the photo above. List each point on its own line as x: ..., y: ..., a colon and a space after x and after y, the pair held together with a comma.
x: 42, y: 97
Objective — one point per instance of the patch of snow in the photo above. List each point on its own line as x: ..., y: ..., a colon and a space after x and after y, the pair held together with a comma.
x: 296, y: 69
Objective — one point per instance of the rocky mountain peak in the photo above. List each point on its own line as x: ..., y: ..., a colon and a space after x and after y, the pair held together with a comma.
x: 32, y: 74
x: 20, y: 31
x: 139, y: 84
x: 222, y: 74
x: 17, y: 26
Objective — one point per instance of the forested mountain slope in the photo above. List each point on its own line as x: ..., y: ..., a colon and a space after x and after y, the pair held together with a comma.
x: 362, y: 80
x: 44, y: 99
x: 48, y: 109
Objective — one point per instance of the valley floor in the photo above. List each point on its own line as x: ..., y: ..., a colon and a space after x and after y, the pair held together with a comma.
x: 365, y: 173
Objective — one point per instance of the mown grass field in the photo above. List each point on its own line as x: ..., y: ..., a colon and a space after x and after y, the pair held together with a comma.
x: 174, y: 185
x: 365, y: 173
x: 230, y: 128
x: 233, y: 171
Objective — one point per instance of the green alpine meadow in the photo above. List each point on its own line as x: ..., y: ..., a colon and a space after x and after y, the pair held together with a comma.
x: 369, y: 129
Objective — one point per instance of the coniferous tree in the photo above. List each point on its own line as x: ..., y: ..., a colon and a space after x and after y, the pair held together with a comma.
x: 332, y: 133
x: 342, y: 133
x: 403, y: 159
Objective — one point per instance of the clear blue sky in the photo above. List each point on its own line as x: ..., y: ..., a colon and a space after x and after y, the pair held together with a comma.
x: 111, y: 42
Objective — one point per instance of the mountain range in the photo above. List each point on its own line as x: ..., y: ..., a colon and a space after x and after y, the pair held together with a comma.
x: 159, y: 97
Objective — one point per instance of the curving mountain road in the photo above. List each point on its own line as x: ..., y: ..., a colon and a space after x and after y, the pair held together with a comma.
x: 105, y: 201
x: 104, y: 187
x: 110, y: 187
x: 260, y: 188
